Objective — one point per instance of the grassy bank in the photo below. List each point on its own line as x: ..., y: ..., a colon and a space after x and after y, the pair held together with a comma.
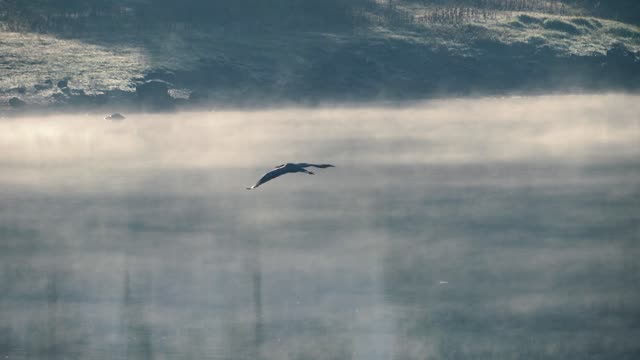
x: 406, y: 50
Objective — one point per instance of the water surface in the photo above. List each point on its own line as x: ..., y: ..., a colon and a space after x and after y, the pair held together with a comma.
x: 462, y: 229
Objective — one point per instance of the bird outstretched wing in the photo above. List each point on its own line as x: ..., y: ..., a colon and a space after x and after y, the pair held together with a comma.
x: 321, y: 166
x: 269, y: 176
x: 287, y: 168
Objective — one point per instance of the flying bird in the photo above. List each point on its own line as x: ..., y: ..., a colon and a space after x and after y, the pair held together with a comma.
x: 288, y: 168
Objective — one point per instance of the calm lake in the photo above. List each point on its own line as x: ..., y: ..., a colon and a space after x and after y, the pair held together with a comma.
x: 501, y: 228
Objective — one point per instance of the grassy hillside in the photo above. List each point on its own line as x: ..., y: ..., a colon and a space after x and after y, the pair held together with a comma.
x: 358, y: 50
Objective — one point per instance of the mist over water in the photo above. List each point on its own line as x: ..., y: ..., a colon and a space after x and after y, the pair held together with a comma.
x: 460, y: 229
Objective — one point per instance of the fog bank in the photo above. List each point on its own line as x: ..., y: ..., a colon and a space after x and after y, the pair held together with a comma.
x: 79, y: 149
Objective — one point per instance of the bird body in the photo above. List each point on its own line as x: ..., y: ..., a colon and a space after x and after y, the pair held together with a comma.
x: 288, y: 168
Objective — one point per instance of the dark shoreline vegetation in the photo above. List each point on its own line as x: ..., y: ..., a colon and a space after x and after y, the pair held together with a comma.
x: 256, y: 53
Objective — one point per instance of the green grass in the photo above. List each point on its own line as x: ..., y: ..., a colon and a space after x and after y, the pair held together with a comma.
x: 572, y: 35
x: 28, y: 59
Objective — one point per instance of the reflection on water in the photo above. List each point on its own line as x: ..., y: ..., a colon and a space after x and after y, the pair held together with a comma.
x: 496, y: 228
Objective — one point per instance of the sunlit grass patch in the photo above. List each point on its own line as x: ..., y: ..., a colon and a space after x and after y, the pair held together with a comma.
x: 30, y: 59
x: 573, y: 35
x: 570, y: 33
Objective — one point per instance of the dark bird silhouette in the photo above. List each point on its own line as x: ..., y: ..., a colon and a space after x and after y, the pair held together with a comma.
x: 288, y: 168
